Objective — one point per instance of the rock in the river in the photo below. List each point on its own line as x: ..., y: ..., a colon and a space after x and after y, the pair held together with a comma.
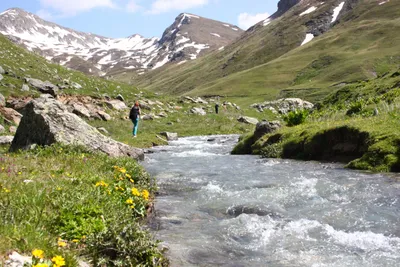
x: 266, y: 127
x: 44, y: 87
x: 47, y: 121
x: 170, y: 136
x: 248, y: 120
x: 198, y: 111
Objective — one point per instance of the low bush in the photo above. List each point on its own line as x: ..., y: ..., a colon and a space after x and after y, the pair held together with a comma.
x: 296, y: 117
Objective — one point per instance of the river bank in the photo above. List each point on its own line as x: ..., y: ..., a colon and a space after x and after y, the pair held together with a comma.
x: 361, y: 143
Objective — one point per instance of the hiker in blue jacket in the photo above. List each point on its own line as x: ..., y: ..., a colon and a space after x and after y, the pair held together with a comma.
x: 134, y: 115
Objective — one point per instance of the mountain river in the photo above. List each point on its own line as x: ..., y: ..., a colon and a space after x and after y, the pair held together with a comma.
x: 216, y: 209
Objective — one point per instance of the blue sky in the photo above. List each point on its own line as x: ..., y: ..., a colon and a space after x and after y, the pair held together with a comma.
x: 121, y: 18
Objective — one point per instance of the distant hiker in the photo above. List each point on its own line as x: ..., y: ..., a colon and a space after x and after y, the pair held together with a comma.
x: 216, y: 108
x: 134, y: 115
x: 224, y: 106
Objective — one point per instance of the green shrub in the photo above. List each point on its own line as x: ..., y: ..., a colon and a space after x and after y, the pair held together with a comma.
x: 296, y: 117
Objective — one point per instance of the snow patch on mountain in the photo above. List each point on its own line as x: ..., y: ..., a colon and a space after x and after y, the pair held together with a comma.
x: 216, y: 34
x: 308, y: 11
x: 309, y: 37
x: 336, y: 12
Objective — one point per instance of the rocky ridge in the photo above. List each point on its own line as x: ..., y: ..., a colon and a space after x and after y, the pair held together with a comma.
x: 187, y: 38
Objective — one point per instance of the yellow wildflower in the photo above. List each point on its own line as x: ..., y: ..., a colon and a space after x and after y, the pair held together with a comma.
x: 58, y: 261
x: 101, y: 183
x: 61, y: 243
x: 129, y: 201
x: 2, y: 168
x: 135, y: 192
x: 122, y: 170
x: 132, y: 206
x: 75, y: 240
x: 59, y: 188
x: 7, y: 190
x: 145, y: 194
x: 38, y: 253
x: 41, y: 265
x: 19, y: 173
x: 132, y: 181
x: 128, y: 175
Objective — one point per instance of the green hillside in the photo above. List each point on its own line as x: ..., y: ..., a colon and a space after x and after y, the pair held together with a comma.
x: 365, y: 44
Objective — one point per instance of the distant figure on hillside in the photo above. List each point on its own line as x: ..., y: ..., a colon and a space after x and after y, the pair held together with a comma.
x: 224, y: 106
x: 216, y: 108
x: 134, y: 115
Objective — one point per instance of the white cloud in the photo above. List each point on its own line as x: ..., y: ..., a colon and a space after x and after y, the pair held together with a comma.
x: 246, y: 20
x: 73, y: 7
x: 132, y: 6
x: 44, y: 14
x: 162, y: 6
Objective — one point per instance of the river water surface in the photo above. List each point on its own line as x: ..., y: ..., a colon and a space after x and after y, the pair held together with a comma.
x: 215, y: 209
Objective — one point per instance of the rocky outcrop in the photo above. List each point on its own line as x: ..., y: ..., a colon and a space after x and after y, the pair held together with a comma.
x: 44, y: 87
x: 47, y: 121
x: 265, y: 127
x: 284, y: 105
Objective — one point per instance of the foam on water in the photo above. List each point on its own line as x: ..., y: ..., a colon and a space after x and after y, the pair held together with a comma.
x: 296, y: 213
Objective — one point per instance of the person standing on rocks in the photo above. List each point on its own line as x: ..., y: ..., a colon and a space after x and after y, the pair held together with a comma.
x: 134, y: 115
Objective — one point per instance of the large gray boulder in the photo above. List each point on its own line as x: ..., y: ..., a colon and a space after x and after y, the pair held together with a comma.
x: 265, y: 127
x: 47, y: 121
x: 44, y: 87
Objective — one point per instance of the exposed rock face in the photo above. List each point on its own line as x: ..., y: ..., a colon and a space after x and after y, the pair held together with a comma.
x: 47, y: 121
x: 284, y: 6
x: 2, y: 101
x: 116, y: 104
x: 284, y: 105
x: 266, y: 127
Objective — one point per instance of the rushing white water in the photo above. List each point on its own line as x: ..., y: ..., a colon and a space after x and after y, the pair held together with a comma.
x: 215, y: 209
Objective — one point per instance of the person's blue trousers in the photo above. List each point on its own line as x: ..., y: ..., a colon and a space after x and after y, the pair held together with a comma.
x: 135, y: 126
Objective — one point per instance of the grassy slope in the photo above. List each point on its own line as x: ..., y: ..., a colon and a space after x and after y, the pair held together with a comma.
x: 51, y: 193
x: 360, y: 48
x: 372, y: 140
x: 26, y: 64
